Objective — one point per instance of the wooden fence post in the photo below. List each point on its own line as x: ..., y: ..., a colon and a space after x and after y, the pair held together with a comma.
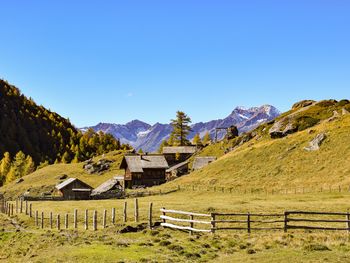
x: 164, y: 214
x: 50, y: 221
x: 21, y: 205
x: 285, y: 222
x: 248, y: 223
x: 136, y: 210
x: 94, y: 221
x: 75, y: 218
x: 66, y: 221
x: 125, y: 218
x: 191, y: 224
x: 213, y: 225
x: 104, y: 221
x: 26, y: 208
x: 12, y: 209
x: 42, y: 220
x: 58, y: 222
x: 150, y: 223
x: 86, y: 220
x: 16, y: 205
x: 36, y: 218
x: 30, y: 210
x: 348, y: 219
x: 113, y: 216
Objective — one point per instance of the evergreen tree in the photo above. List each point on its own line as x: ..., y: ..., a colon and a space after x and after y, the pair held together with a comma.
x: 11, y: 176
x: 19, y: 164
x: 140, y: 151
x: 206, y: 139
x: 197, y: 140
x: 181, y: 128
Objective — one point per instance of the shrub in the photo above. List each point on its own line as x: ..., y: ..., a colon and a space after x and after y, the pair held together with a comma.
x: 164, y: 243
x: 316, y: 247
x: 305, y: 122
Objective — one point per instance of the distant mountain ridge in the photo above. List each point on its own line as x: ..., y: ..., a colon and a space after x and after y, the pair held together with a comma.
x: 148, y: 137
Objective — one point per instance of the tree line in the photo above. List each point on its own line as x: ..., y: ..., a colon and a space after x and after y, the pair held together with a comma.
x: 42, y: 135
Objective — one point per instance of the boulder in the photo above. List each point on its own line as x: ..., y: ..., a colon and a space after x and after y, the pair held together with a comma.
x: 315, y: 144
x: 334, y: 117
x: 20, y: 180
x: 232, y: 132
x: 344, y: 111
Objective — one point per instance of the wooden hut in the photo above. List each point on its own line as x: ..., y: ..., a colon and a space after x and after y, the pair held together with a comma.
x: 178, y: 154
x: 201, y: 162
x: 113, y: 188
x: 176, y: 171
x: 74, y: 189
x: 144, y: 170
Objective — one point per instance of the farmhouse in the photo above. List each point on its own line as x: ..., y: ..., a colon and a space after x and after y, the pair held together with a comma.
x: 178, y: 154
x: 201, y: 162
x: 74, y: 189
x: 144, y: 170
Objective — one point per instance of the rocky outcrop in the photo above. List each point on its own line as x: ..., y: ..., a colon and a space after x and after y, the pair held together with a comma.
x: 98, y: 167
x: 315, y: 144
x: 302, y: 104
x: 334, y: 117
x: 279, y: 129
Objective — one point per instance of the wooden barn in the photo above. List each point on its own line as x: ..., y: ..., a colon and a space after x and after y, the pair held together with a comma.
x: 178, y: 154
x: 74, y: 189
x: 144, y: 170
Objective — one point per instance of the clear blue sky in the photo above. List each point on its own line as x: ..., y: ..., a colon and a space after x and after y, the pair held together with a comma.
x: 114, y: 61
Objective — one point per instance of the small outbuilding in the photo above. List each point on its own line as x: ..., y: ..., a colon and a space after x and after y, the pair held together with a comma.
x: 178, y: 154
x: 144, y: 170
x: 201, y: 162
x: 113, y: 188
x: 74, y: 189
x: 176, y: 171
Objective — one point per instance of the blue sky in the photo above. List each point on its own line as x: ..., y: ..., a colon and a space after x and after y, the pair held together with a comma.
x: 114, y: 61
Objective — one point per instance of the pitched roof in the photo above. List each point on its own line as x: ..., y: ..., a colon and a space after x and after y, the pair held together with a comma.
x: 136, y: 163
x: 65, y: 183
x: 180, y: 149
x: 106, y: 186
x: 70, y: 181
x: 200, y: 162
x: 177, y: 166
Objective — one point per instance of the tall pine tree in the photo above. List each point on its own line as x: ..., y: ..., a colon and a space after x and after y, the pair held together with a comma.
x: 181, y: 128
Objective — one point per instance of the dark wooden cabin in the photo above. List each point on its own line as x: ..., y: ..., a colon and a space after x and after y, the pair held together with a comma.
x: 178, y: 154
x: 144, y: 170
x: 74, y: 189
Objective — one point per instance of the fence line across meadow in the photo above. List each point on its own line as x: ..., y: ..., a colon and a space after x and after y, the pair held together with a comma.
x: 254, y: 221
x: 89, y: 218
x: 266, y: 191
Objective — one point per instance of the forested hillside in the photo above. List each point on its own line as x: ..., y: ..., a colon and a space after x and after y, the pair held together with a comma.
x: 31, y: 134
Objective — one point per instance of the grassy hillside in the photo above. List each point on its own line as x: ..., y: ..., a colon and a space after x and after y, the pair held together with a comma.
x: 269, y: 163
x: 45, y: 179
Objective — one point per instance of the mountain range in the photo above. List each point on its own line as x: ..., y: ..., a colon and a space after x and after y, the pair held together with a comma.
x: 148, y: 137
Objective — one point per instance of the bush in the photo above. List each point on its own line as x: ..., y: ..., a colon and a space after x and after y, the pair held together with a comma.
x: 164, y: 243
x: 316, y: 247
x: 342, y: 103
x: 305, y: 122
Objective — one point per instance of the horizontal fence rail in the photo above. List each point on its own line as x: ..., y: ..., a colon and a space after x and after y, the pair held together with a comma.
x: 254, y: 221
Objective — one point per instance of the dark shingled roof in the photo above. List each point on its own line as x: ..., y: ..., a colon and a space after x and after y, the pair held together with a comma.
x: 200, y: 162
x: 180, y: 149
x: 137, y: 163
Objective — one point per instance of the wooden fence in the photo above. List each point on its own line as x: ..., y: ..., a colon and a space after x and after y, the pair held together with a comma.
x: 88, y: 219
x: 289, y: 220
x: 280, y: 191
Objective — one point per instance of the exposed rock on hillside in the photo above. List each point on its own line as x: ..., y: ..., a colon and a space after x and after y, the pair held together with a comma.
x: 316, y: 142
x: 302, y: 104
x: 98, y: 167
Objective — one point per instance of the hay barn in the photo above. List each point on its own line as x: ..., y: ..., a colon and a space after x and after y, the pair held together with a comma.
x: 74, y: 189
x: 178, y: 154
x: 201, y: 162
